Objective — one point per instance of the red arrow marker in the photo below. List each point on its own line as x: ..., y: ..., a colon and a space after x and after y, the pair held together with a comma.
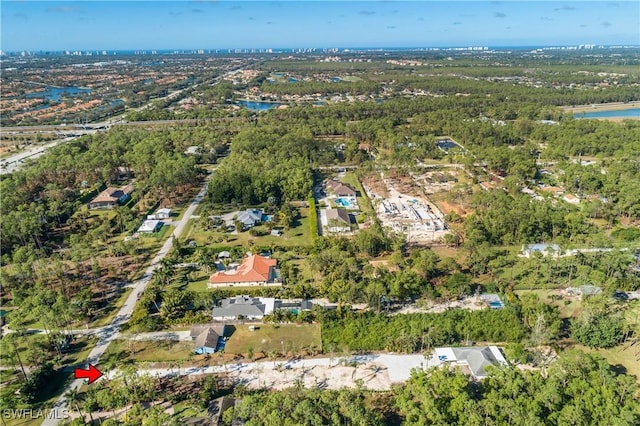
x: 92, y: 374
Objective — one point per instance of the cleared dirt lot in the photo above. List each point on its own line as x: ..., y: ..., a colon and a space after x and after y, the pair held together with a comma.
x: 405, y: 210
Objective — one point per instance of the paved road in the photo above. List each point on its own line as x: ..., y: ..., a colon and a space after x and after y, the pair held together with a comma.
x: 13, y: 162
x: 110, y: 332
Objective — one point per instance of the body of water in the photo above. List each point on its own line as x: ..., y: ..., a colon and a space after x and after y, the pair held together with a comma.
x: 344, y: 202
x: 621, y: 113
x: 55, y: 94
x: 257, y: 105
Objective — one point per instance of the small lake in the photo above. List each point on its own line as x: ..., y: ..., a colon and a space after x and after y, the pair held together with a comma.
x: 55, y: 94
x: 622, y: 113
x: 258, y: 105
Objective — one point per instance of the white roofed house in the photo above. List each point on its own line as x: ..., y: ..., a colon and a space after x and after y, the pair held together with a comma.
x: 163, y: 213
x: 250, y: 218
x: 150, y: 226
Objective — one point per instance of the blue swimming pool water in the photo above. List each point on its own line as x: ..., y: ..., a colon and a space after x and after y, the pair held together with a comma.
x: 496, y: 305
x: 343, y: 202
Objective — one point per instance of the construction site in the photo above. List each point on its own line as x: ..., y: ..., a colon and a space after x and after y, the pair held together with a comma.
x: 399, y: 207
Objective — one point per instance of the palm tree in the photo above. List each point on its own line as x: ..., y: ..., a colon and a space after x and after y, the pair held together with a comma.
x: 73, y: 396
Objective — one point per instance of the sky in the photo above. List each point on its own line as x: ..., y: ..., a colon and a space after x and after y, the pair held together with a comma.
x: 185, y: 24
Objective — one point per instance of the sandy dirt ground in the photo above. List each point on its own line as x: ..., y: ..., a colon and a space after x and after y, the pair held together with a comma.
x: 415, y: 216
x: 472, y: 303
x: 373, y: 371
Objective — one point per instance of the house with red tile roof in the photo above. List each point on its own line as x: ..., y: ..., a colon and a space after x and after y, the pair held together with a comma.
x: 255, y: 270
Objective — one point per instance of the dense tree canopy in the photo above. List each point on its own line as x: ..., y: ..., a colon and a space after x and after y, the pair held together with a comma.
x: 579, y: 389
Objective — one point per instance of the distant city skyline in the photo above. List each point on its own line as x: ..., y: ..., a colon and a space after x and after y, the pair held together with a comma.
x: 149, y: 25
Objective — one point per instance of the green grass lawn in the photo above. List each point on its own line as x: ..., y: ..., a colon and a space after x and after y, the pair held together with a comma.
x: 363, y: 201
x: 567, y: 310
x: 272, y: 337
x: 300, y: 235
x: 623, y: 355
x: 148, y: 351
x: 200, y: 285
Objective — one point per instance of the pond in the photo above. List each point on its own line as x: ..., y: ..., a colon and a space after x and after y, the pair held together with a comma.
x: 621, y: 113
x: 55, y: 94
x: 258, y: 105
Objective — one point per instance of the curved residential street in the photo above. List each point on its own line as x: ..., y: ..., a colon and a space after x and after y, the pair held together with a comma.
x: 110, y: 332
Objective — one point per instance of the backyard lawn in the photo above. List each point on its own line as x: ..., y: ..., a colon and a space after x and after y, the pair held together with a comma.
x: 148, y: 351
x: 363, y: 201
x: 569, y: 307
x: 298, y: 236
x: 274, y: 337
x: 625, y: 355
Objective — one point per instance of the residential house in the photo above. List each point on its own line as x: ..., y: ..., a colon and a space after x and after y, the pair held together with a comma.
x: 193, y: 150
x: 338, y: 188
x: 472, y: 360
x: 150, y: 225
x: 111, y: 197
x: 250, y: 218
x: 206, y: 337
x: 553, y: 190
x: 163, y: 213
x: 217, y: 407
x: 570, y: 198
x: 338, y: 220
x: 255, y: 270
x: 542, y: 248
x: 584, y: 291
x: 243, y: 307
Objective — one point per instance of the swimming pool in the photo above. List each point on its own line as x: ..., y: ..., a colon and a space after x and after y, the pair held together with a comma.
x: 496, y: 305
x: 343, y: 202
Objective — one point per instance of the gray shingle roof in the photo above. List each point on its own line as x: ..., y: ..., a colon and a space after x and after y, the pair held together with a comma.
x: 208, y: 338
x: 338, y: 214
x: 241, y: 305
x: 477, y: 358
